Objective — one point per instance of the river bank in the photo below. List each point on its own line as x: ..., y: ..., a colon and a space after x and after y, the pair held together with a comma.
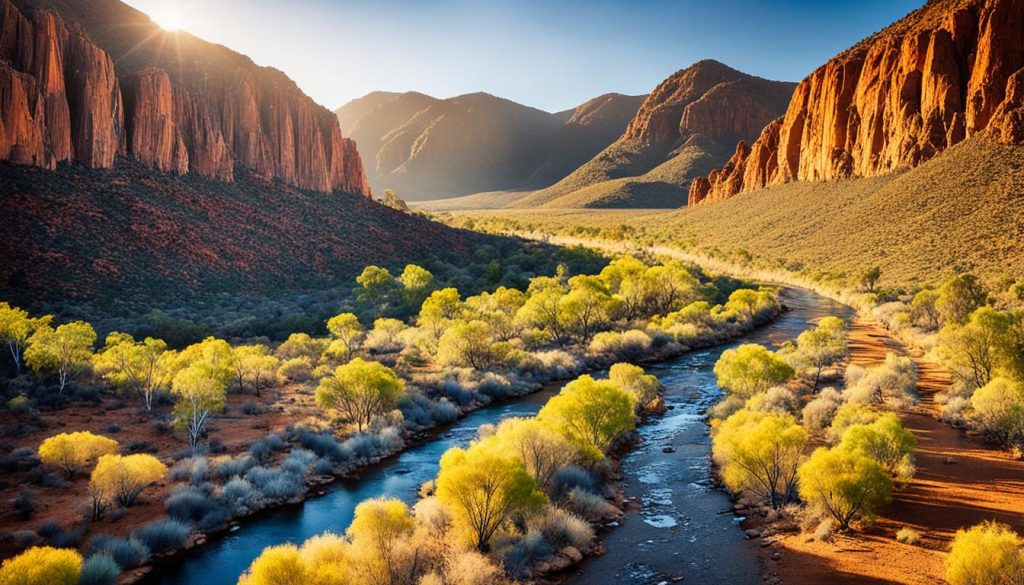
x: 237, y: 550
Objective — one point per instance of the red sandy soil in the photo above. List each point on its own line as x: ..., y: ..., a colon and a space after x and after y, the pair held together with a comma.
x: 960, y: 481
x: 66, y: 505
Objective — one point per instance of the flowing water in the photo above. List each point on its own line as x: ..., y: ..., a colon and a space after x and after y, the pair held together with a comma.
x: 679, y: 530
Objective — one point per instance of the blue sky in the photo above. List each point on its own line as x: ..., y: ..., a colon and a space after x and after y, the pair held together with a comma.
x: 550, y: 54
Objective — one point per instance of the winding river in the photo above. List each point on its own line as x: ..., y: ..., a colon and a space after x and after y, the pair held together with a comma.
x: 679, y: 530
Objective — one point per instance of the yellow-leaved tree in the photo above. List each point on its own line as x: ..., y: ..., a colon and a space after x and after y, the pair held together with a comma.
x: 844, y: 484
x: 484, y: 488
x: 65, y: 351
x: 200, y: 384
x: 42, y: 565
x: 15, y: 329
x: 75, y: 452
x: 379, y: 533
x: 142, y: 367
x: 590, y: 413
x: 360, y: 391
x: 121, y: 478
x: 760, y: 452
x: 751, y: 369
x: 643, y: 386
x: 986, y: 553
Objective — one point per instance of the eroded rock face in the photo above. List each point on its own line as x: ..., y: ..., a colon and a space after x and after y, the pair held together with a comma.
x: 63, y: 101
x: 710, y: 99
x: 948, y: 70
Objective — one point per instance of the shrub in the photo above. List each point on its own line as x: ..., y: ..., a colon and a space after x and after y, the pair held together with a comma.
x: 819, y: 412
x: 261, y: 449
x: 907, y: 535
x: 472, y: 568
x: 122, y: 478
x: 194, y: 469
x: 229, y: 468
x: 297, y: 369
x: 634, y: 380
x: 275, y: 484
x: 573, y: 478
x: 999, y: 410
x: 324, y: 445
x: 188, y: 505
x: 161, y: 536
x: 21, y: 459
x: 777, y: 400
x: 99, y: 569
x: 848, y: 415
x: 894, y: 382
x: 985, y: 553
x: 562, y: 529
x: 126, y: 552
x: 532, y: 547
x: 73, y: 453
x: 25, y: 504
x: 42, y: 566
x: 241, y: 495
x: 750, y: 369
x: 590, y: 505
x: 886, y: 441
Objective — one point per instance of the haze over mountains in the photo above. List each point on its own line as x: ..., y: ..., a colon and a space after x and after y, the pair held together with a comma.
x: 429, y: 148
x: 688, y: 125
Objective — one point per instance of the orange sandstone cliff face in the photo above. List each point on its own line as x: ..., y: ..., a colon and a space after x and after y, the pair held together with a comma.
x: 945, y: 72
x: 172, y: 102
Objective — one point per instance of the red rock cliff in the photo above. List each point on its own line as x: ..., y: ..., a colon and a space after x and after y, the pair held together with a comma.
x: 174, y: 102
x: 948, y: 70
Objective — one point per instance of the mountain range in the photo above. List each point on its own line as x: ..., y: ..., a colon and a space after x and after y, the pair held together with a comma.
x: 686, y: 126
x: 428, y: 148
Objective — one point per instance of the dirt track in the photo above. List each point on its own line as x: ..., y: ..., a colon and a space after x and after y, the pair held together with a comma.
x: 960, y: 481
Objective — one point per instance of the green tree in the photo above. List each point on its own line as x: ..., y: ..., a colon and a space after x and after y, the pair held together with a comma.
x: 822, y: 346
x: 200, y: 384
x: 923, y: 309
x: 376, y: 286
x: 66, y: 350
x: 346, y: 332
x: 587, y: 308
x: 759, y: 452
x: 986, y: 554
x: 644, y: 387
x: 590, y: 413
x: 976, y: 350
x: 15, y: 329
x: 416, y: 283
x: 886, y: 441
x: 625, y: 277
x: 751, y: 369
x: 301, y: 345
x: 378, y: 530
x: 959, y: 297
x: 498, y: 310
x: 255, y: 368
x: 143, y: 367
x: 542, y: 449
x: 484, y: 490
x: 42, y: 565
x: 870, y: 277
x: 439, y: 309
x: 360, y: 391
x: 999, y: 410
x: 546, y: 311
x: 471, y: 344
x: 844, y: 484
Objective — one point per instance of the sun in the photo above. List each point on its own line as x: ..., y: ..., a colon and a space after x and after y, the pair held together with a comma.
x: 170, y: 16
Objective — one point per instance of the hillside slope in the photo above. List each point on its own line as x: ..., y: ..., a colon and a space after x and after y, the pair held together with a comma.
x: 688, y: 124
x: 429, y: 148
x: 945, y: 72
x: 963, y: 210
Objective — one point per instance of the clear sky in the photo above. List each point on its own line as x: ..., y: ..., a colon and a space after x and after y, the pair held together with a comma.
x: 550, y: 54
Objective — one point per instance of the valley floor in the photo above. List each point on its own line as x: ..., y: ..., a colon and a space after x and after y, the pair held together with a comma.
x: 960, y: 481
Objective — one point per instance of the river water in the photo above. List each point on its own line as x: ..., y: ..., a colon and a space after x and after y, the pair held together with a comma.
x: 679, y: 530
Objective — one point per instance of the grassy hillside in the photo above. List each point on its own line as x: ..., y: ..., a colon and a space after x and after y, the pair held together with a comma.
x: 963, y: 210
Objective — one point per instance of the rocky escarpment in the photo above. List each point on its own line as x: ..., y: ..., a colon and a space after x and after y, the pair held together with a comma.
x: 686, y: 126
x: 947, y: 71
x: 74, y: 89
